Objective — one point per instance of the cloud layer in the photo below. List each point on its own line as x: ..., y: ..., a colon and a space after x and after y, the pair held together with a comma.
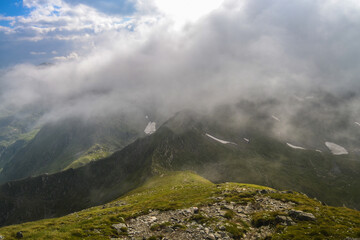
x: 239, y: 50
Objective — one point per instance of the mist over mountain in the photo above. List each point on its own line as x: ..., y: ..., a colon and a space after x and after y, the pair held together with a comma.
x: 98, y: 98
x: 241, y: 50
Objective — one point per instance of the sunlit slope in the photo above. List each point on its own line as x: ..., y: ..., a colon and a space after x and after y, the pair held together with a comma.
x: 182, y: 144
x: 264, y: 160
x: 230, y: 210
x: 69, y: 143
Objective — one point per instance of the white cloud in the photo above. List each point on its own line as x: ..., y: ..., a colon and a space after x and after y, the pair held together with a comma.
x: 37, y: 53
x: 186, y: 10
x: 240, y: 49
x: 71, y: 56
x: 56, y: 19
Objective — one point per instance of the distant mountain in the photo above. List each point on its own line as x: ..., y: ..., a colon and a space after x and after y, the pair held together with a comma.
x: 183, y: 205
x: 68, y: 143
x: 303, y: 121
x: 16, y: 130
x: 188, y: 141
x: 222, y: 152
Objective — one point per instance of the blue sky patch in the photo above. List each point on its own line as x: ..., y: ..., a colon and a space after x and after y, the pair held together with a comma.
x: 13, y: 8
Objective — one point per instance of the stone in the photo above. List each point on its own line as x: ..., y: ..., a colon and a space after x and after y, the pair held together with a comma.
x: 195, y: 210
x: 19, y: 235
x: 223, y: 234
x: 152, y: 219
x: 302, y: 216
x: 211, y: 237
x: 284, y: 220
x: 264, y: 191
x: 120, y: 227
x: 222, y: 228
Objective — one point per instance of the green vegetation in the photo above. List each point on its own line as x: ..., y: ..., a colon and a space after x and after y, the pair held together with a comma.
x: 182, y: 190
x: 229, y: 214
x: 69, y: 143
x: 331, y: 222
x: 157, y: 227
x: 200, y: 219
x: 264, y: 161
x: 235, y: 230
x: 96, y: 152
x: 158, y: 237
x: 265, y: 218
x: 172, y: 191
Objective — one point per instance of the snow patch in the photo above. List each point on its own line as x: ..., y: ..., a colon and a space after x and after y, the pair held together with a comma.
x: 336, y: 149
x: 295, y: 147
x: 219, y: 140
x: 147, y: 117
x: 318, y: 150
x: 274, y: 117
x: 150, y: 128
x: 357, y: 123
x: 247, y: 140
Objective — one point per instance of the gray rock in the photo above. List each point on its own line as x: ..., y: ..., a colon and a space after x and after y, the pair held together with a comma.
x: 302, y: 216
x: 152, y: 219
x: 223, y: 234
x: 211, y: 237
x: 19, y: 235
x: 195, y: 209
x: 120, y: 227
x: 264, y: 191
x: 217, y: 235
x: 284, y: 220
x: 222, y: 227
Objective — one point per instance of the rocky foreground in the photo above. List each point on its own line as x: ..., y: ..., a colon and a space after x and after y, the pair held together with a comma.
x: 183, y: 205
x: 219, y: 220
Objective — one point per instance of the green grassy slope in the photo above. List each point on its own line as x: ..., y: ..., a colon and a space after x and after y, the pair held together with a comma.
x: 264, y: 161
x: 67, y: 144
x: 183, y: 145
x: 176, y: 190
x: 15, y: 133
x: 74, y: 189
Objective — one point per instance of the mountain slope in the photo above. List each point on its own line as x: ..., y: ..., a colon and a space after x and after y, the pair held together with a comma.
x: 264, y: 160
x: 74, y: 189
x: 69, y: 143
x: 182, y: 205
x: 182, y: 144
x: 16, y: 130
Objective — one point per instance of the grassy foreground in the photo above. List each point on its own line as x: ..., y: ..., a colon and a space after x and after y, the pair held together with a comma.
x: 176, y: 190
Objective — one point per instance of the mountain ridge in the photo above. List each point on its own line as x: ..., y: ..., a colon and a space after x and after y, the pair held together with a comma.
x: 183, y: 205
x: 263, y: 161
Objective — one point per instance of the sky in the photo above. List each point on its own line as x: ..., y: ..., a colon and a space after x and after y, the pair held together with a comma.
x: 41, y: 31
x: 94, y: 57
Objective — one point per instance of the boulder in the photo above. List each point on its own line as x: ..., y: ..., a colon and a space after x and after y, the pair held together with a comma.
x: 19, y: 235
x: 302, y: 216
